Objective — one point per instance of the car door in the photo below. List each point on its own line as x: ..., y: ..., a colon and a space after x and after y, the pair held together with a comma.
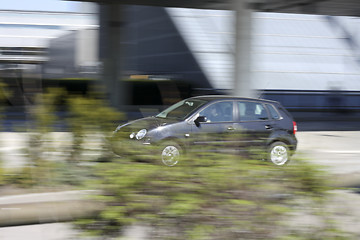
x: 214, y: 133
x: 253, y: 123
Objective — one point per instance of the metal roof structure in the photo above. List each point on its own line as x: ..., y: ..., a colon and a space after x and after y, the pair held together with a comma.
x: 322, y: 7
x: 242, y: 8
x: 25, y: 35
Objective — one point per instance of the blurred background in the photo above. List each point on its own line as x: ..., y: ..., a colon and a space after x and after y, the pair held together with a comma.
x: 304, y: 54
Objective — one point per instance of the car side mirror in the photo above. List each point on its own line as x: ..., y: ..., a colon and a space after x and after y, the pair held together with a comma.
x: 200, y: 119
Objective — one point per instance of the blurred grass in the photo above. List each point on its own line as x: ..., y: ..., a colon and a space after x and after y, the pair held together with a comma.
x: 212, y: 197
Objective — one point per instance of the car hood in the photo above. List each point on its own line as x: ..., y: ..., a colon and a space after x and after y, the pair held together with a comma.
x: 147, y: 123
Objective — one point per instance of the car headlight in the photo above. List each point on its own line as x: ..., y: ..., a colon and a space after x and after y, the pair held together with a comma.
x: 141, y: 134
x: 132, y: 135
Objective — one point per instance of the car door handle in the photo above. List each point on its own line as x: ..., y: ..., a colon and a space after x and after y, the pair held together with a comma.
x: 268, y: 127
x: 231, y: 128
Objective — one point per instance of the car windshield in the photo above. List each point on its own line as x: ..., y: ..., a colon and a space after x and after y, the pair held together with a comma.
x: 182, y: 109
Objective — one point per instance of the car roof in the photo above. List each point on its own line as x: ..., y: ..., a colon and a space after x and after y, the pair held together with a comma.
x: 228, y: 97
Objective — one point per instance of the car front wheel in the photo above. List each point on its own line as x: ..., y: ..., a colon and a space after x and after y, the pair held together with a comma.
x: 170, y: 153
x: 279, y: 153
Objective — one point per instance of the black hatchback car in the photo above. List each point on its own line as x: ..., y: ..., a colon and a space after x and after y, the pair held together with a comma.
x: 192, y: 124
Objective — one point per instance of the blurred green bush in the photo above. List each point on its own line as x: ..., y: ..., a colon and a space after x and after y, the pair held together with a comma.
x: 88, y: 117
x: 209, y: 196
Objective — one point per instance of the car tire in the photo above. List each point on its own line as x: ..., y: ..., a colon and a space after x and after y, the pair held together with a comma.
x: 170, y: 153
x: 278, y: 153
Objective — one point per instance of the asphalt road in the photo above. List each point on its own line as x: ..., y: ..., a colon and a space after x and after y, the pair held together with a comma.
x: 338, y: 151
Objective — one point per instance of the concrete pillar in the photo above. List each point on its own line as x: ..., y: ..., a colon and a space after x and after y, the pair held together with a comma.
x: 243, y: 50
x: 111, y: 52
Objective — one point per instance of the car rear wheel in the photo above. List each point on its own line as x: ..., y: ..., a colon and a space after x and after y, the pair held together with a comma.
x: 279, y: 153
x: 170, y: 153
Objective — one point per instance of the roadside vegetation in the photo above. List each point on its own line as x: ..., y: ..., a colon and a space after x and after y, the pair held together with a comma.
x: 210, y: 196
x: 63, y: 159
x: 205, y: 196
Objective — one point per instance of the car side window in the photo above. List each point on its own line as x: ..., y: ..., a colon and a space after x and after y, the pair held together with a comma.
x: 274, y: 114
x: 219, y: 112
x: 252, y: 111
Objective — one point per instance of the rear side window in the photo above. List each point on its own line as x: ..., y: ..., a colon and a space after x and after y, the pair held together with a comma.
x: 273, y: 112
x: 252, y: 111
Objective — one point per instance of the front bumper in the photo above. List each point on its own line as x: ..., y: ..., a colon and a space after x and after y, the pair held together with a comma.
x: 139, y: 150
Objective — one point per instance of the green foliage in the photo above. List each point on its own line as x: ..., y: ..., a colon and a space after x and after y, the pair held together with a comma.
x: 209, y: 196
x: 2, y: 175
x: 32, y: 175
x: 4, y: 93
x: 46, y: 174
x: 308, y: 178
x: 45, y: 108
x: 328, y: 232
x: 89, y: 116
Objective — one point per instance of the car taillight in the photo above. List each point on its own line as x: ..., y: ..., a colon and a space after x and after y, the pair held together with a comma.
x: 294, y: 127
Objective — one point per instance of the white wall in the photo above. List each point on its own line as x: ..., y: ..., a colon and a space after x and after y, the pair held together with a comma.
x: 290, y: 51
